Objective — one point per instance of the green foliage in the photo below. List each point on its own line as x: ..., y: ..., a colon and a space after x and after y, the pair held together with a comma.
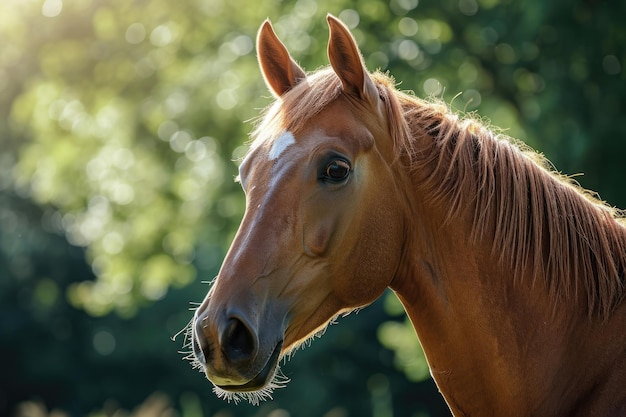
x: 120, y: 124
x: 117, y: 117
x: 409, y: 357
x: 399, y: 336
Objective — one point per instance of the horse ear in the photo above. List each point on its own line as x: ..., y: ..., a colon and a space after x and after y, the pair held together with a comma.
x: 280, y: 71
x: 347, y: 62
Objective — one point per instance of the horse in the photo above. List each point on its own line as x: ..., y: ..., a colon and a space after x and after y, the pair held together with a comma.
x: 513, y: 276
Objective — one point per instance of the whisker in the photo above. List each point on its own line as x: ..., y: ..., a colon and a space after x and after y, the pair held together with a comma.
x: 186, y: 330
x: 193, y: 306
x: 209, y: 282
x: 279, y: 380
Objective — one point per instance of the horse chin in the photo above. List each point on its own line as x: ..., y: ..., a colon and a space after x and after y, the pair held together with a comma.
x: 259, y: 388
x: 262, y: 379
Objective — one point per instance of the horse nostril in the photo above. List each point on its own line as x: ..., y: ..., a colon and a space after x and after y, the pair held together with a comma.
x: 238, y: 342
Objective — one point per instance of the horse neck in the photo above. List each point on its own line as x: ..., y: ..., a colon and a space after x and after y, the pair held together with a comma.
x: 495, y: 345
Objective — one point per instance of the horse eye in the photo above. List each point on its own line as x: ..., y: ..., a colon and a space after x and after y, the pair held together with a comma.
x: 337, y: 170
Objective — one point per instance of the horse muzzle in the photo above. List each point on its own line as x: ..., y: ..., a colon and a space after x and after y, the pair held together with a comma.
x: 229, y: 350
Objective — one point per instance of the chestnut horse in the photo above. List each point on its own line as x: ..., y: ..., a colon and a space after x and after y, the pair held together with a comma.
x: 512, y: 275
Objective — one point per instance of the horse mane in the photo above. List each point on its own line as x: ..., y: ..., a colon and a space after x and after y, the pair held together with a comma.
x: 539, y: 221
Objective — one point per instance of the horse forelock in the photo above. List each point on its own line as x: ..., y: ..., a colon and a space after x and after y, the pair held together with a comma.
x: 307, y: 99
x: 297, y: 106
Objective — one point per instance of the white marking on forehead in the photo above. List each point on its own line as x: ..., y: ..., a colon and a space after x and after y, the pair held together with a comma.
x: 281, y: 143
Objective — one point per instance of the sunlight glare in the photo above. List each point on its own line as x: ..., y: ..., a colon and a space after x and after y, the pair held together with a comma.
x: 52, y: 8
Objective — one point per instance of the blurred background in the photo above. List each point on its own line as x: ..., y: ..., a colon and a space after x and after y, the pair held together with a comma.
x: 120, y: 122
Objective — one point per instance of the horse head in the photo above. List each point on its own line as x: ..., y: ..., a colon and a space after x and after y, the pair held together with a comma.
x: 322, y: 232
